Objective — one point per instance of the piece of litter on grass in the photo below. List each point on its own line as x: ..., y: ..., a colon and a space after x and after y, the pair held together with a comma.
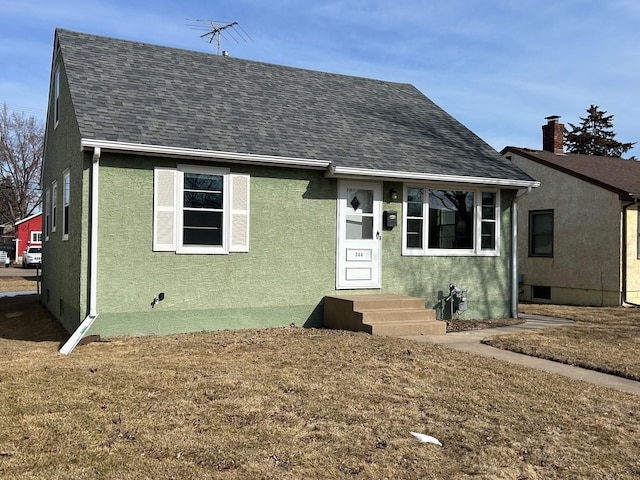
x: 426, y: 438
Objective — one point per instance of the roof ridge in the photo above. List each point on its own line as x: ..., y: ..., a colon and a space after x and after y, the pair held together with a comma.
x: 129, y: 92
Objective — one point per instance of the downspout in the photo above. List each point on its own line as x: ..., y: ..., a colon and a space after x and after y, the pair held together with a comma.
x: 514, y: 253
x: 73, y: 341
x: 624, y: 254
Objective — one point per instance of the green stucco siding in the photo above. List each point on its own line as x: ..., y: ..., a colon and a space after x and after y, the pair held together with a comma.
x: 486, y: 280
x: 290, y: 266
x: 64, y: 261
x: 281, y: 280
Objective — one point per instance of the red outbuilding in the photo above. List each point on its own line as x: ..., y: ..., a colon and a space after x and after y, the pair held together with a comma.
x: 28, y: 233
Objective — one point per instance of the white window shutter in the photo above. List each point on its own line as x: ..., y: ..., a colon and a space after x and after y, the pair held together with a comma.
x: 164, y: 209
x: 239, y: 238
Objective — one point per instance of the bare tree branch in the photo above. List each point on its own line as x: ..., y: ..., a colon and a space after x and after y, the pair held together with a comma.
x: 21, y: 151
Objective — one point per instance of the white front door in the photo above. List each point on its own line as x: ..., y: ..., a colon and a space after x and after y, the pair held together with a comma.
x: 359, y: 235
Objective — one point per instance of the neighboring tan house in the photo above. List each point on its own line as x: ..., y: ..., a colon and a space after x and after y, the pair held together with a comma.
x: 191, y: 191
x: 578, y: 232
x: 28, y: 232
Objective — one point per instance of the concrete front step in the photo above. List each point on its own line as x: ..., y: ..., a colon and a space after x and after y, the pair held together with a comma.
x: 395, y: 314
x: 383, y: 300
x: 384, y: 314
x: 400, y: 329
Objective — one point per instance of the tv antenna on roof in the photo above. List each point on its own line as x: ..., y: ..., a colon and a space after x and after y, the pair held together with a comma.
x: 216, y: 30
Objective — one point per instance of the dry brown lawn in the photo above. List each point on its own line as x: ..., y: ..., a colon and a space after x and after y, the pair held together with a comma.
x: 293, y: 403
x: 18, y: 284
x: 603, y: 339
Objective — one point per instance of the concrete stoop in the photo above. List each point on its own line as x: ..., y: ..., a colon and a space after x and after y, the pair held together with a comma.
x: 383, y: 314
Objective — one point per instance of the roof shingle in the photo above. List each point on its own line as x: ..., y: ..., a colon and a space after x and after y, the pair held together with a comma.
x: 615, y: 174
x: 139, y: 93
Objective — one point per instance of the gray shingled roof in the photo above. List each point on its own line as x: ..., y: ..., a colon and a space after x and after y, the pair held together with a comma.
x: 132, y: 92
x: 614, y: 174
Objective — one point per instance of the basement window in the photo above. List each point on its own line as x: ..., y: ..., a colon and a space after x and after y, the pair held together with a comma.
x: 540, y: 293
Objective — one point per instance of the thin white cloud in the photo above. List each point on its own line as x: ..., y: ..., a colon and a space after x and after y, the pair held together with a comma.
x: 499, y: 66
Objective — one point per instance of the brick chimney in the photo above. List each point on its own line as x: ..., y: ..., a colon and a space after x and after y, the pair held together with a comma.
x: 552, y: 135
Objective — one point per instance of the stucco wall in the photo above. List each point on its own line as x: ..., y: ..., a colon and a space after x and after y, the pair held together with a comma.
x: 63, y: 287
x: 585, y: 268
x: 289, y: 269
x: 633, y: 262
x: 486, y: 279
x: 281, y: 279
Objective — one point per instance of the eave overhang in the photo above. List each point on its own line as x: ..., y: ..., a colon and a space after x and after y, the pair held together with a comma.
x: 332, y: 171
x: 623, y: 194
x: 350, y: 172
x: 194, y: 153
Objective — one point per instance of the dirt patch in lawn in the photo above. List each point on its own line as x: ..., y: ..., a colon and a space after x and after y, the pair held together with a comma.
x: 459, y: 325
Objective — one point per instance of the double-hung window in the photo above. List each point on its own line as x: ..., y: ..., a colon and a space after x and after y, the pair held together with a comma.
x: 200, y: 210
x: 66, y: 195
x: 56, y: 97
x: 441, y: 221
x: 54, y: 205
x: 541, y: 233
x: 202, y: 222
x: 47, y: 220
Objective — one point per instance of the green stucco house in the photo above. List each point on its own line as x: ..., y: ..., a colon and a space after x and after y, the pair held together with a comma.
x: 185, y: 191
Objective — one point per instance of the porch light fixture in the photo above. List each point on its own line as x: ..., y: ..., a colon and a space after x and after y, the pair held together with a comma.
x: 393, y: 193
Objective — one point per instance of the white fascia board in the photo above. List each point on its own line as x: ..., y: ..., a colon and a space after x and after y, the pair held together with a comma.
x: 350, y: 172
x: 193, y: 153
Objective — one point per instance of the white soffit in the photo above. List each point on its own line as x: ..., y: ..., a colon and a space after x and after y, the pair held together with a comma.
x: 333, y: 171
x: 160, y: 150
x: 346, y: 172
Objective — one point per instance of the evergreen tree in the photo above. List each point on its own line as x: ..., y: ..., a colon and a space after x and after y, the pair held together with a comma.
x: 595, y: 136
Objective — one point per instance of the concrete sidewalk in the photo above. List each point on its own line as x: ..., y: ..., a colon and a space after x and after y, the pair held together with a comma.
x: 471, y: 341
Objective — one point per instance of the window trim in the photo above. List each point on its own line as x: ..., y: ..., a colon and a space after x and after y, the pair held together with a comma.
x: 638, y: 232
x: 47, y: 201
x: 54, y: 205
x: 202, y: 249
x: 530, y: 232
x: 66, y: 201
x: 477, y: 250
x: 167, y: 186
x: 32, y: 236
x: 56, y: 97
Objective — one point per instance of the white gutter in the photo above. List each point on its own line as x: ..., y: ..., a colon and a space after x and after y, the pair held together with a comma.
x: 514, y: 253
x: 341, y: 172
x: 333, y: 170
x: 73, y: 341
x: 162, y: 150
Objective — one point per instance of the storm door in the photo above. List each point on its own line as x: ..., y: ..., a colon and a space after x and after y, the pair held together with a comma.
x: 359, y: 235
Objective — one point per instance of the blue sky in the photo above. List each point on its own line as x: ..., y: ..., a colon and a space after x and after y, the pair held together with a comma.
x: 498, y: 66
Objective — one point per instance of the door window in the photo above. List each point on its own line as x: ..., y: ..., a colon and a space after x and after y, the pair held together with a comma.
x: 359, y: 218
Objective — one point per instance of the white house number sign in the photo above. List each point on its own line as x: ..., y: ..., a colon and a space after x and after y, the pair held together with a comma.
x: 359, y: 254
